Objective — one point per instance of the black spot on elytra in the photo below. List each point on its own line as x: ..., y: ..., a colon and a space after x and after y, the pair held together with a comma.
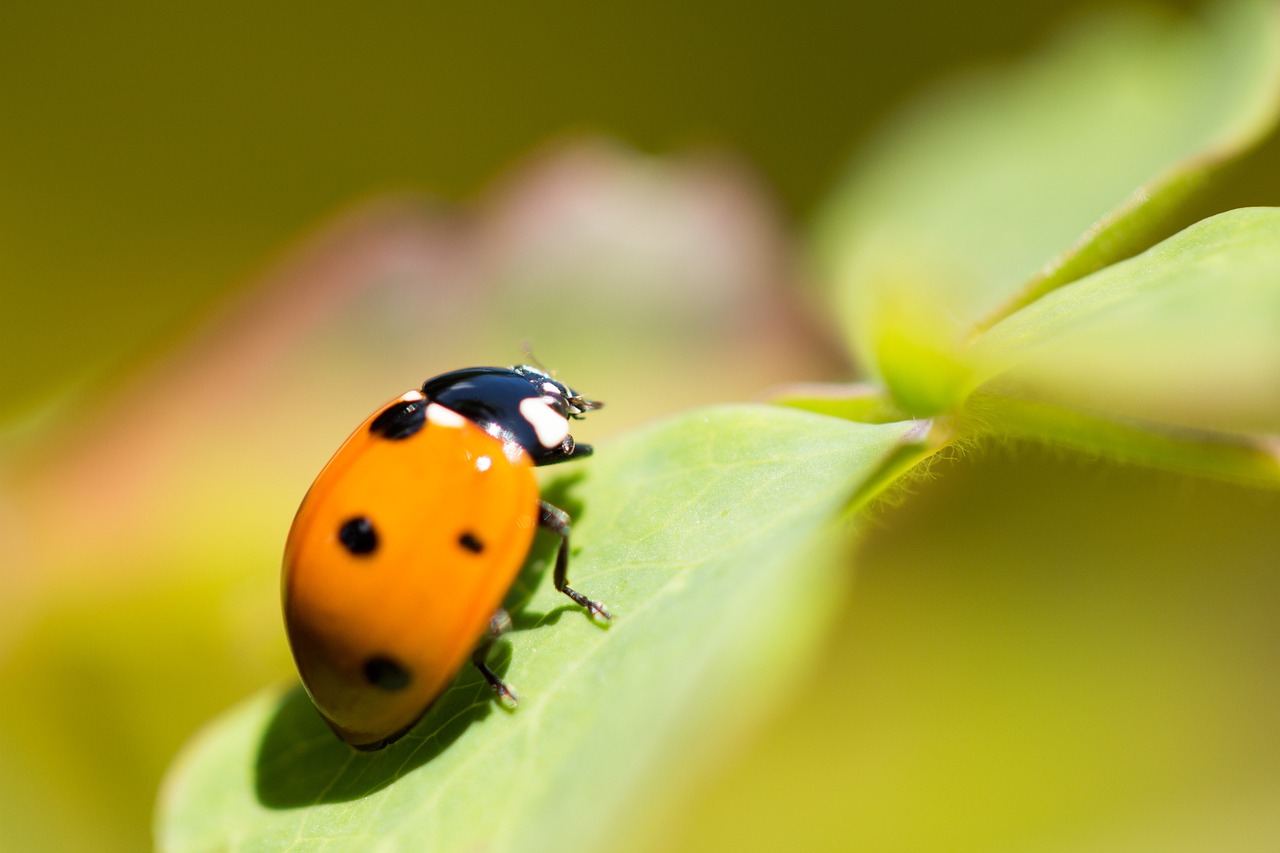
x: 358, y: 536
x: 471, y: 542
x: 400, y: 420
x: 386, y: 673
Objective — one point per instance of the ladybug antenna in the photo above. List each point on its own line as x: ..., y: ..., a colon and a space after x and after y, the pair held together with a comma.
x: 527, y: 348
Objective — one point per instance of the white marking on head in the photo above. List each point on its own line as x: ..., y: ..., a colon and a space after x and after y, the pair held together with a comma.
x: 550, y: 427
x: 483, y: 463
x: 412, y: 396
x: 440, y: 416
x: 550, y: 388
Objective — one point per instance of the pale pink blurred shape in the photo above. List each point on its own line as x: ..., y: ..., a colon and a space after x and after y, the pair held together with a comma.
x: 686, y: 242
x: 673, y: 274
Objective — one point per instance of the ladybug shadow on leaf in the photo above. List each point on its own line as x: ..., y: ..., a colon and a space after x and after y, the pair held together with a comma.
x: 301, y: 762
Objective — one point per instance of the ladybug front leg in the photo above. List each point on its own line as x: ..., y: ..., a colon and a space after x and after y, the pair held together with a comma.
x: 557, y: 521
x: 567, y: 451
x: 499, y: 624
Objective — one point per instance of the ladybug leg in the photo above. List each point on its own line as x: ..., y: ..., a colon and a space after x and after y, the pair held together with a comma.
x: 557, y: 521
x: 573, y: 450
x: 499, y: 624
x: 566, y: 452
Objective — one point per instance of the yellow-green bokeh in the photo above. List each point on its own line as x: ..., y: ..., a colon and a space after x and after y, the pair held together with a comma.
x: 152, y: 156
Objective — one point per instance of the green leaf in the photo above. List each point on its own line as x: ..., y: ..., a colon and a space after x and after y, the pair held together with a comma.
x: 855, y: 401
x: 947, y: 222
x: 710, y: 535
x: 1250, y: 460
x: 1186, y: 334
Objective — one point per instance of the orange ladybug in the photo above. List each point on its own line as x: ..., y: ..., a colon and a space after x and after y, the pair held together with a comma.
x: 406, y: 544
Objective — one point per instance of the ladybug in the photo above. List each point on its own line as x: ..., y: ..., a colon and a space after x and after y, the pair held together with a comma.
x: 406, y: 544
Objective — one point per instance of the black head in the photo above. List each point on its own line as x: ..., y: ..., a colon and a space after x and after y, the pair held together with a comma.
x: 521, y: 404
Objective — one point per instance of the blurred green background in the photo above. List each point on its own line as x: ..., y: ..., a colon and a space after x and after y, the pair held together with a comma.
x: 1042, y: 652
x: 153, y: 156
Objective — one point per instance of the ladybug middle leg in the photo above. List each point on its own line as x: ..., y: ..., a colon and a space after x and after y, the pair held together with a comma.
x: 499, y: 624
x: 557, y: 521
